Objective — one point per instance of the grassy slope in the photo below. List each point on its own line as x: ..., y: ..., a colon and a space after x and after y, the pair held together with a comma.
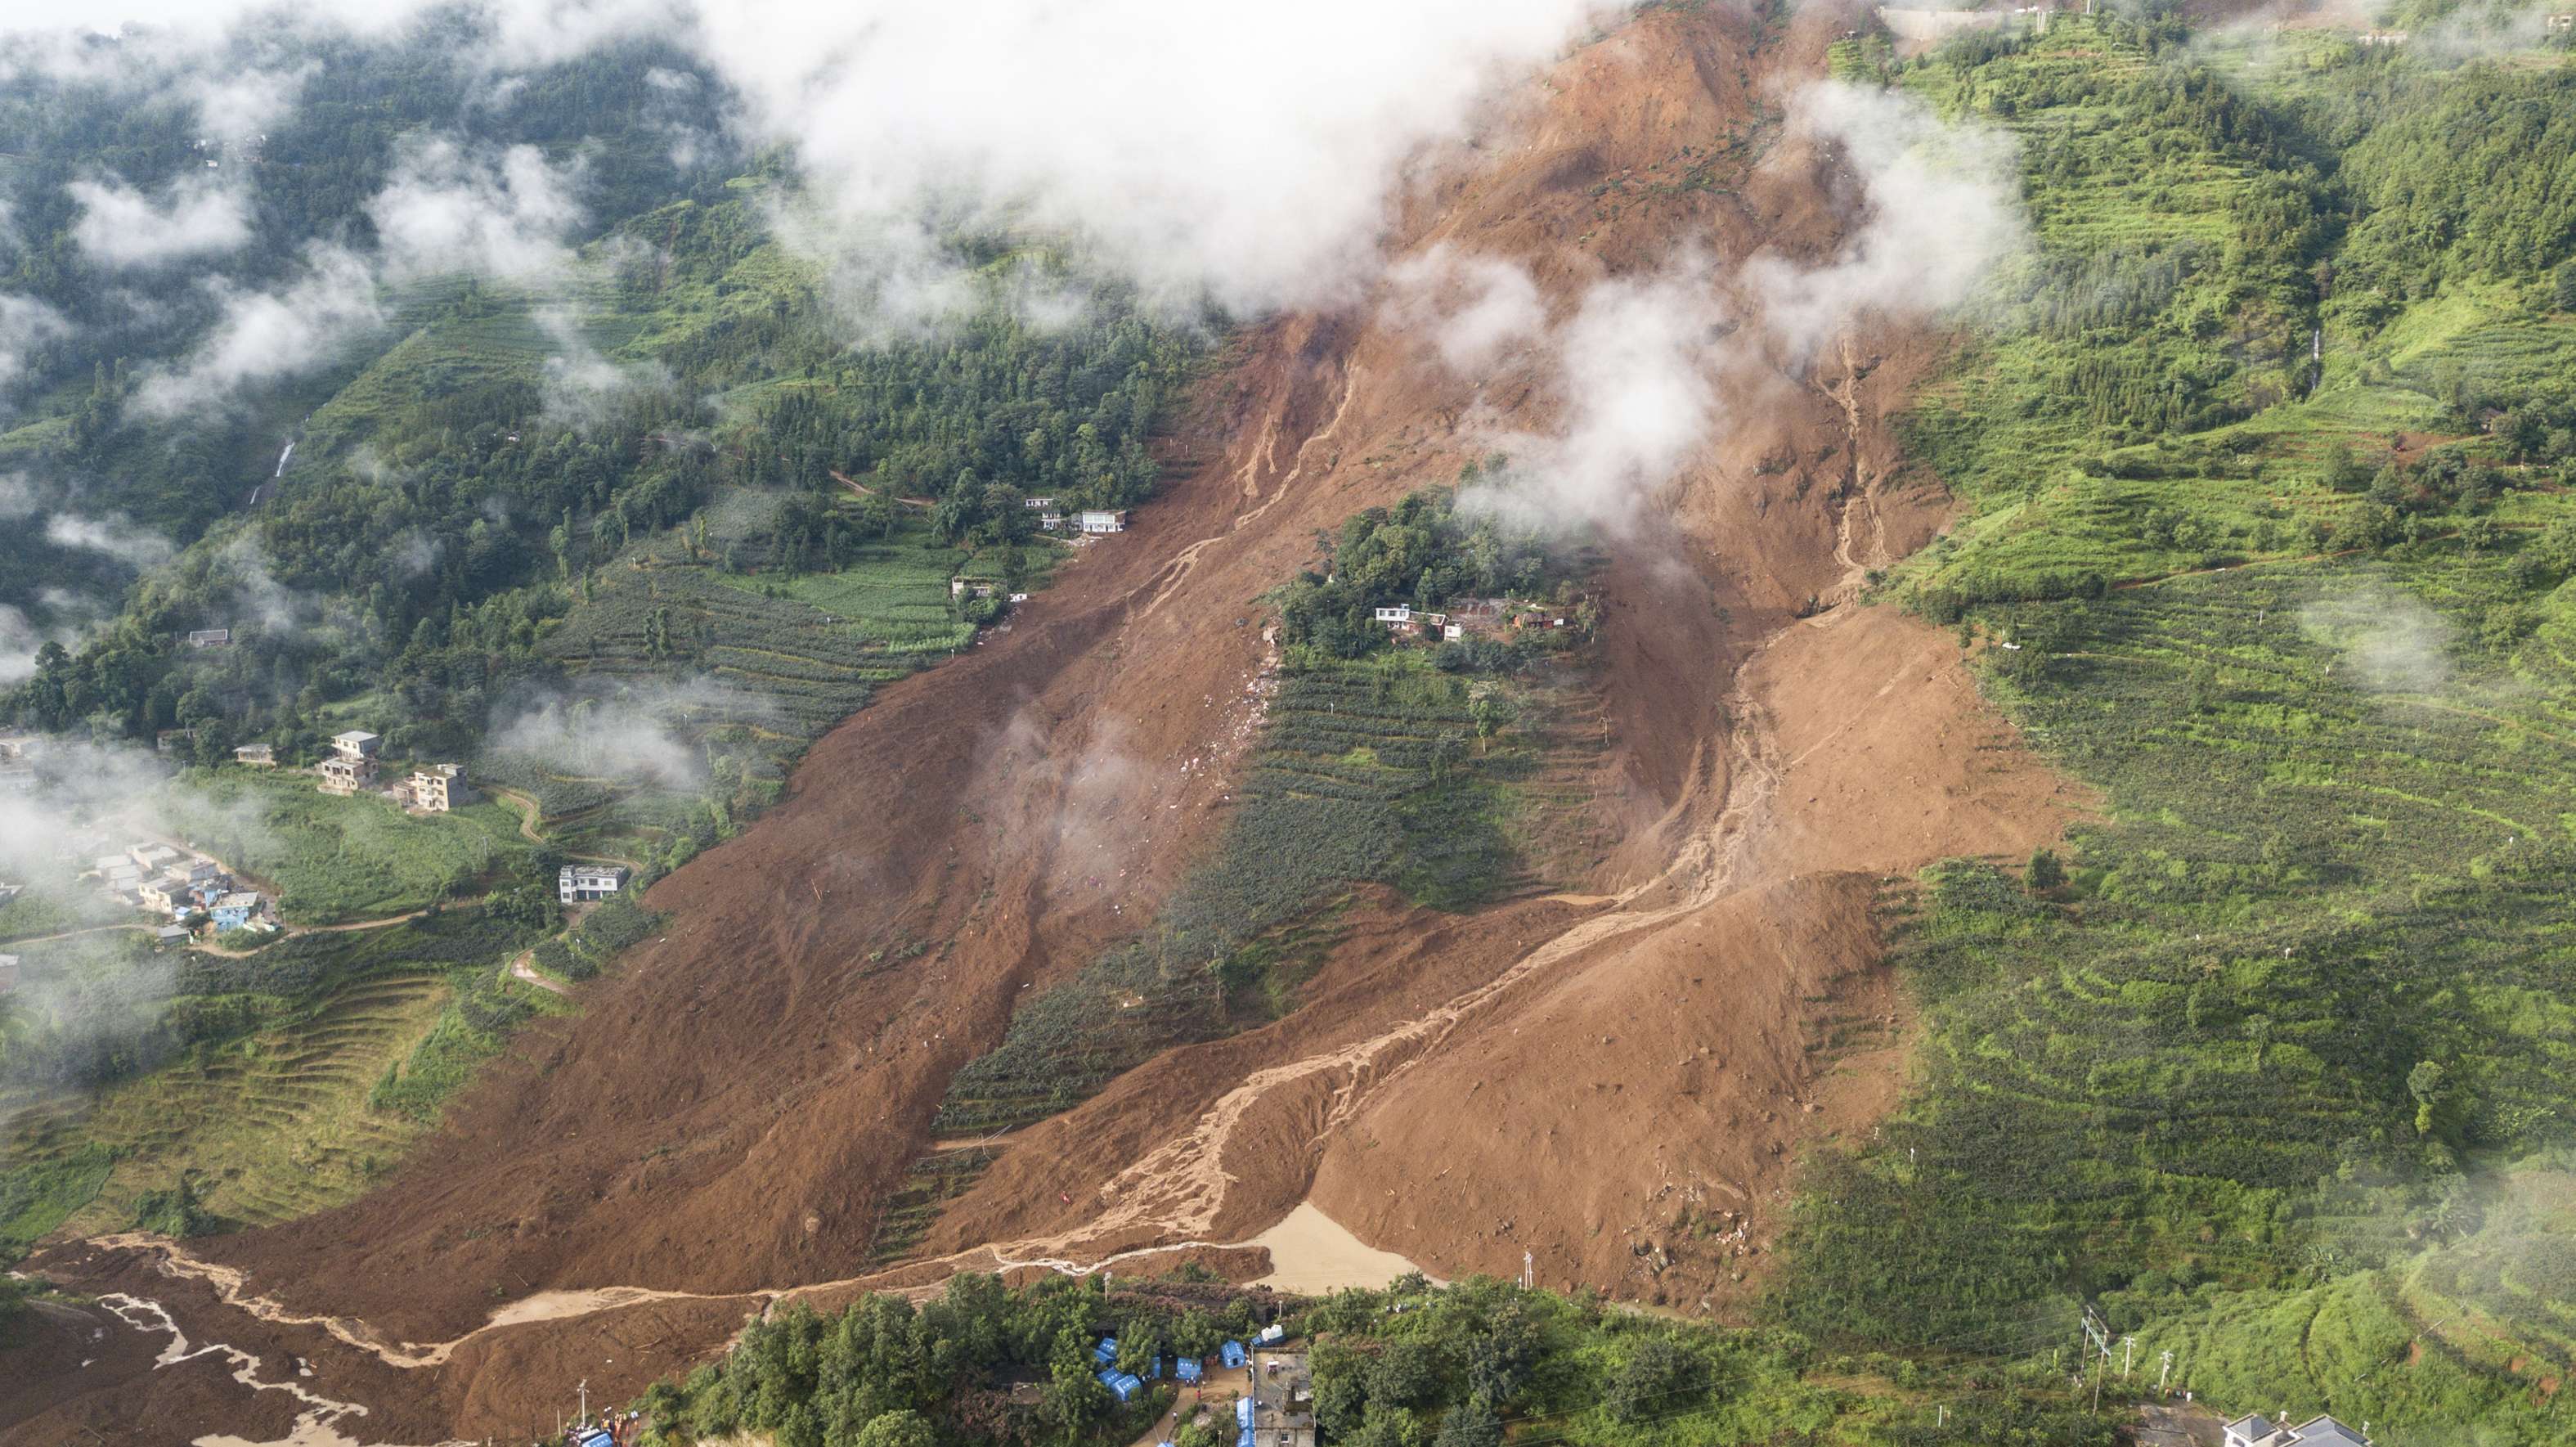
x: 2182, y: 1086
x: 281, y: 1105
x: 335, y: 859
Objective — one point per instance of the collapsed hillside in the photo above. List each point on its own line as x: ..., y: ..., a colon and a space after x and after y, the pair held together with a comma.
x: 740, y: 1100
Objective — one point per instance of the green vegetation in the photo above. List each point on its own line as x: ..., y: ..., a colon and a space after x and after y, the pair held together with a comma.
x: 2271, y: 1066
x: 249, y: 1080
x: 335, y: 859
x: 1473, y: 1365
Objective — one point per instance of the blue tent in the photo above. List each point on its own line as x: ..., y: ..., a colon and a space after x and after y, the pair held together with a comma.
x: 1154, y: 1368
x: 1244, y: 1438
x: 1188, y: 1370
x: 1243, y: 1413
x: 1232, y: 1354
x: 1106, y: 1352
x: 1123, y: 1385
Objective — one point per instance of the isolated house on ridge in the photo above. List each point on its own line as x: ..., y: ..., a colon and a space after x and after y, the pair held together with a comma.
x: 352, y: 765
x: 580, y: 883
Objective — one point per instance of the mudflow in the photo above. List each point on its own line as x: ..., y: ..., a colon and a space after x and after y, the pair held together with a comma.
x: 1612, y: 1084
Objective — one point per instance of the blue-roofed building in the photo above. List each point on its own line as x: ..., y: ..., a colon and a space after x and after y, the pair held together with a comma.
x: 1106, y: 1352
x: 1188, y: 1370
x: 1232, y: 1354
x: 1120, y: 1384
x: 1243, y: 1413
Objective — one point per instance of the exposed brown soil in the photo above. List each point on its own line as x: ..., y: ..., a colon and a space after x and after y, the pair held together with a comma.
x: 1597, y: 1078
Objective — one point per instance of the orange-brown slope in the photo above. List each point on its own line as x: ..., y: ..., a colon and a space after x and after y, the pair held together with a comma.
x: 737, y: 1100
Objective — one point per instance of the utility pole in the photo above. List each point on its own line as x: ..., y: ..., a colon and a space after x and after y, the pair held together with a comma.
x: 2098, y: 1338
x: 584, y: 1419
x: 2128, y: 1353
x: 2166, y: 1374
x: 1528, y: 1270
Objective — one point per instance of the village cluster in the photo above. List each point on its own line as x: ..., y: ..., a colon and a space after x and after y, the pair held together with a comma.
x: 1469, y: 619
x: 184, y: 889
x: 1277, y: 1411
x: 353, y: 768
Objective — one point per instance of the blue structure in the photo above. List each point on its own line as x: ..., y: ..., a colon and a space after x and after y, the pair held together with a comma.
x: 1243, y: 1438
x: 1120, y: 1384
x: 1106, y: 1352
x: 595, y: 1437
x: 1243, y: 1413
x: 1188, y: 1370
x: 1232, y: 1354
x: 233, y: 910
x: 1154, y: 1368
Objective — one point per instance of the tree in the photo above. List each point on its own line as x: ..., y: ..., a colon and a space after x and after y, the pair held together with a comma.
x: 2562, y: 287
x: 2431, y: 1090
x: 1476, y: 1424
x: 1646, y: 1384
x: 2045, y: 875
x: 898, y: 1429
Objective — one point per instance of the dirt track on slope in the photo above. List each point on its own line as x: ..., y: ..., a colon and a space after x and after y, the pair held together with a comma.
x: 1599, y: 1079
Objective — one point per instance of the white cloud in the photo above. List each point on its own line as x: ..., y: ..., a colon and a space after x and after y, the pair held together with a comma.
x: 582, y: 386
x: 446, y: 209
x: 116, y: 536
x: 1942, y: 210
x: 25, y: 324
x: 1636, y: 377
x: 1241, y: 152
x: 1474, y: 309
x: 199, y: 215
x: 266, y: 335
x: 242, y: 105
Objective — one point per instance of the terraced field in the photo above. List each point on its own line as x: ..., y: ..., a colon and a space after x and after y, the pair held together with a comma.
x: 283, y: 1111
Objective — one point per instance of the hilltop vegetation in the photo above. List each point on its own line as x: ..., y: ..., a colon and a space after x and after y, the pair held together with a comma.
x: 2265, y: 486
x: 1474, y: 1365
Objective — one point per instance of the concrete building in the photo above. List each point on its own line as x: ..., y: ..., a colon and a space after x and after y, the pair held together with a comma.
x: 580, y: 883
x: 1101, y: 521
x: 235, y: 911
x: 352, y: 765
x: 1283, y: 1400
x: 258, y: 756
x: 210, y: 638
x: 437, y: 789
x: 2314, y: 1432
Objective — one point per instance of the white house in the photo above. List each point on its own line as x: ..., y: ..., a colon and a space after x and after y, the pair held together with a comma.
x: 577, y: 883
x: 2314, y: 1432
x: 1099, y: 521
x: 1397, y: 615
x: 210, y: 637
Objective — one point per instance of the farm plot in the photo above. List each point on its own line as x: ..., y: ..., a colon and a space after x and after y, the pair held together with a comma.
x: 267, y: 1099
x: 2323, y: 876
x: 338, y: 859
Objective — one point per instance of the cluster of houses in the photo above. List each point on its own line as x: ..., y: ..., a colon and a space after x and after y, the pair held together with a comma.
x: 2315, y: 1432
x: 1279, y: 1411
x: 1469, y: 619
x: 176, y: 886
x: 354, y: 767
x: 1085, y: 520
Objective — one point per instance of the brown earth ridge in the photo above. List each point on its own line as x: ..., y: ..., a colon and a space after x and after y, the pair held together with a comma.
x: 1615, y: 1081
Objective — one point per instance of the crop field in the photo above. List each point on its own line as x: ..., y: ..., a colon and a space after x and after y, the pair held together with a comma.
x: 934, y: 1181
x: 1368, y: 773
x: 276, y: 1055
x: 337, y: 859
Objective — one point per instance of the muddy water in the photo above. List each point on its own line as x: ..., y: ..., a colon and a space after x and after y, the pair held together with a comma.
x: 1311, y: 1252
